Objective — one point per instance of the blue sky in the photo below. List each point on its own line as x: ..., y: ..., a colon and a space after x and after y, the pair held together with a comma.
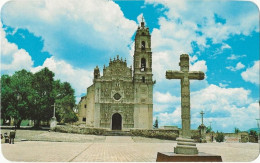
x: 72, y: 37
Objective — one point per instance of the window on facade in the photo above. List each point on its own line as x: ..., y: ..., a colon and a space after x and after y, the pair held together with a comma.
x: 85, y: 105
x: 143, y: 45
x: 84, y: 119
x: 143, y: 79
x: 117, y: 96
x: 143, y: 64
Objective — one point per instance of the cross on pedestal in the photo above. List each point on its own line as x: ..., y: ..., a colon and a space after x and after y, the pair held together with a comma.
x: 185, y: 75
x: 202, y: 116
x: 186, y: 150
x: 53, y: 121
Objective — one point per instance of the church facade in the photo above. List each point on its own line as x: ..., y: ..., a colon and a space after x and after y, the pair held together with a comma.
x: 122, y: 98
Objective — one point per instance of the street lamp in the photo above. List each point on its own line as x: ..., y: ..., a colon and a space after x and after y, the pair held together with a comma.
x: 258, y: 125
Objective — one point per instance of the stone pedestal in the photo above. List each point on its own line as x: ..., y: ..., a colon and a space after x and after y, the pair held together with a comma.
x: 202, y: 129
x: 53, y: 123
x: 200, y: 157
x: 185, y: 146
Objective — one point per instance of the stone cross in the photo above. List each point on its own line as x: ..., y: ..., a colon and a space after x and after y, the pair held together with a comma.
x: 202, y: 116
x: 185, y: 75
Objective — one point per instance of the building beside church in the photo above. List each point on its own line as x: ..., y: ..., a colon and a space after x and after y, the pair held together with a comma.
x: 122, y: 98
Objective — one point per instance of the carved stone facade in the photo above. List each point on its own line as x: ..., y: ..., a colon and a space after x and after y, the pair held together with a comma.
x: 123, y: 97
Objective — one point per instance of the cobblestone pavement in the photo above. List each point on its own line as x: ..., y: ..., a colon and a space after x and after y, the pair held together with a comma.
x: 118, y: 149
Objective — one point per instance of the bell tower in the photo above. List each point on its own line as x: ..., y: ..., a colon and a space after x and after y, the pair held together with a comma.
x: 142, y: 78
x: 143, y: 55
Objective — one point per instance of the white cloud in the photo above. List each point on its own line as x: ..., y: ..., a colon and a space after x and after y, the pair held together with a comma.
x: 79, y: 79
x: 252, y: 73
x: 225, y: 46
x: 239, y: 66
x: 62, y: 24
x: 199, y: 66
x: 223, y: 85
x: 234, y: 57
x: 173, y: 118
x: 12, y: 58
x: 165, y: 97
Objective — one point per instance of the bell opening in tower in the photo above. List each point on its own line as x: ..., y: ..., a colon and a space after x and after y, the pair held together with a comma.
x: 143, y: 45
x: 143, y: 64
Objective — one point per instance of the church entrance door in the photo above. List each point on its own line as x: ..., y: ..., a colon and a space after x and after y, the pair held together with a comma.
x: 116, y: 122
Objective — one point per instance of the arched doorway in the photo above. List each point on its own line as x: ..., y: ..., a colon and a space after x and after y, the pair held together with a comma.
x: 116, y: 122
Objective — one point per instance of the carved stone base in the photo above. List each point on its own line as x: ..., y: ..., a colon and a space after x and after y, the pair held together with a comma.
x: 53, y: 123
x: 185, y: 146
x: 200, y: 157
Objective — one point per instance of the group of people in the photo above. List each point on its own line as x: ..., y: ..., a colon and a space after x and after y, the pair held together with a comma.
x: 9, y: 139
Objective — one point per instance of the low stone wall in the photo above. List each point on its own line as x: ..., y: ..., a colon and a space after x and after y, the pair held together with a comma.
x: 79, y: 130
x: 156, y: 133
x: 242, y: 137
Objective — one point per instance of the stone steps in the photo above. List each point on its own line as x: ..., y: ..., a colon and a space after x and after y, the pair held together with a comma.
x: 186, y: 146
x: 185, y: 140
x: 118, y: 133
x: 186, y: 143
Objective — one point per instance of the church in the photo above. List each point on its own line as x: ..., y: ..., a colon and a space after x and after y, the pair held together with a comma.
x: 122, y: 98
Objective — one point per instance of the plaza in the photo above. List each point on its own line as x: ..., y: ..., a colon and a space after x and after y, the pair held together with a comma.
x: 44, y: 146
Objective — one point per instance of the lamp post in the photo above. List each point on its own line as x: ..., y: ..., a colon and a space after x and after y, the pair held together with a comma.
x: 258, y: 125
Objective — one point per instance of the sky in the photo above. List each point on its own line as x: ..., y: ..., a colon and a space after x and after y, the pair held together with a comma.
x: 71, y: 37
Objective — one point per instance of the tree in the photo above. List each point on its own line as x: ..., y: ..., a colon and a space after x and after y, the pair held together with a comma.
x: 220, y: 137
x: 156, y: 123
x: 31, y: 96
x: 16, y: 90
x: 6, y: 95
x: 253, y: 133
x: 208, y: 129
x: 65, y: 102
x: 237, y: 130
x: 43, y: 96
x: 21, y: 85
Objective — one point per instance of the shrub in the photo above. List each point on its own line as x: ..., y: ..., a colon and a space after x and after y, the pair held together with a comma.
x: 237, y: 130
x: 253, y: 133
x: 160, y: 134
x: 220, y: 137
x: 79, y: 130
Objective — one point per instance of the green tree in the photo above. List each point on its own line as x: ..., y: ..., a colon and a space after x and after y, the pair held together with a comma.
x: 237, y: 130
x: 156, y: 123
x: 208, y: 129
x: 6, y: 95
x: 253, y: 133
x: 220, y: 137
x: 31, y: 96
x: 15, y: 96
x: 65, y: 102
x: 43, y: 96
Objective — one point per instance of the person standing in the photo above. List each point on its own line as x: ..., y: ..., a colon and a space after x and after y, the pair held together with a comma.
x: 12, y: 136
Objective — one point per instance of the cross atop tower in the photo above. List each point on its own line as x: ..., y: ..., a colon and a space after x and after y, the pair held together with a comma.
x: 142, y: 23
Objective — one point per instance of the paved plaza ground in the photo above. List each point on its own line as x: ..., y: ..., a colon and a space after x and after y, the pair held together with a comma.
x: 43, y: 146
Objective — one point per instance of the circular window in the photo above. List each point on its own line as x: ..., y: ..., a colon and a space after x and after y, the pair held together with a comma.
x: 117, y: 96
